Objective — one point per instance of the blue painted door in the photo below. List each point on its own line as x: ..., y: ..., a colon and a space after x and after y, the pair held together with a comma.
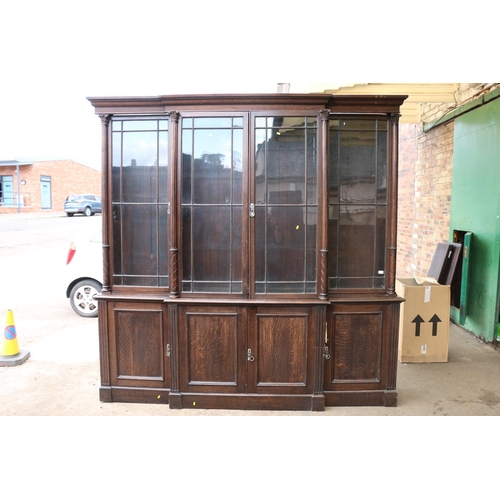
x: 7, y: 191
x: 46, y: 192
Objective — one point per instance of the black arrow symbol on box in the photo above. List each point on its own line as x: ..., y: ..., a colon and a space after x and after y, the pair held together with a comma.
x: 435, y: 320
x: 418, y: 319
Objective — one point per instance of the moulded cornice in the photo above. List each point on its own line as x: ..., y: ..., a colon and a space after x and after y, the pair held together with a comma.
x: 244, y: 102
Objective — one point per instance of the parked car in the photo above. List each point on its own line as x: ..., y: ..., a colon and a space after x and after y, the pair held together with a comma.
x: 86, y: 204
x: 84, y: 271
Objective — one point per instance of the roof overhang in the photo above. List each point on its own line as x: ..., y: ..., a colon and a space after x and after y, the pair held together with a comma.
x: 418, y: 93
x: 14, y: 163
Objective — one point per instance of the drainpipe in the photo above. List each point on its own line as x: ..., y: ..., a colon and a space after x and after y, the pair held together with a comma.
x: 18, y: 190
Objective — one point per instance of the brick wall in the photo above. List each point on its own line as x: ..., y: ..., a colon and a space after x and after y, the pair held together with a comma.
x: 425, y: 171
x: 465, y: 93
x: 66, y: 176
x: 406, y: 193
x: 70, y: 177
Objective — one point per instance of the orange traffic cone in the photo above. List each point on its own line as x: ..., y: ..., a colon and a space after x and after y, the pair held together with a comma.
x: 11, y: 354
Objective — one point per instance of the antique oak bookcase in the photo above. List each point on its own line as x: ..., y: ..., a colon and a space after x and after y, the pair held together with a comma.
x: 249, y: 250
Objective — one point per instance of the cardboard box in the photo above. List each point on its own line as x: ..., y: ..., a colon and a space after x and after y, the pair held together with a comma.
x: 424, y: 324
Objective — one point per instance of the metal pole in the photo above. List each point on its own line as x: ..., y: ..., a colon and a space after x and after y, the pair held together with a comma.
x: 18, y: 190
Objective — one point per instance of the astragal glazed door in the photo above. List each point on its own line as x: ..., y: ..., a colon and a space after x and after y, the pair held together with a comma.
x: 249, y: 204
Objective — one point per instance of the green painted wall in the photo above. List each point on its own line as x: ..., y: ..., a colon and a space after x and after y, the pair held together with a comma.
x: 475, y: 207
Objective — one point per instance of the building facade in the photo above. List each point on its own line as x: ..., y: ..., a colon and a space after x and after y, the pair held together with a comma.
x: 449, y: 186
x: 35, y: 186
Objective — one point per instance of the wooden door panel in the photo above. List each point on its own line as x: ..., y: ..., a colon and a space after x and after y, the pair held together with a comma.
x: 281, y: 342
x: 357, y: 339
x: 138, y: 340
x: 212, y: 346
x: 210, y: 351
x: 357, y: 346
x: 282, y: 349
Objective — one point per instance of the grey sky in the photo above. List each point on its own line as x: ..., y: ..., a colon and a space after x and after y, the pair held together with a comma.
x: 56, y: 53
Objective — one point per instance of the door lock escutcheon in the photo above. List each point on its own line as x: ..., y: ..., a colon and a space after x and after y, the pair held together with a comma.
x: 327, y: 353
x: 252, y: 210
x: 250, y: 356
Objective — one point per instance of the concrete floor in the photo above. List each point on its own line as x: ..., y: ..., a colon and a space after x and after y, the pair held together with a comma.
x: 61, y: 376
x: 58, y: 379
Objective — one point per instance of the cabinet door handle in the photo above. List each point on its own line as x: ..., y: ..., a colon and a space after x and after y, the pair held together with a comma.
x: 252, y: 210
x: 250, y: 356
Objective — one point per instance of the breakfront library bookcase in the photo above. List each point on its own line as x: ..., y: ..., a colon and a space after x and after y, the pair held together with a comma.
x: 249, y: 250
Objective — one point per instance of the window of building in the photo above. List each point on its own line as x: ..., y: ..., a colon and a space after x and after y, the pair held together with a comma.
x: 6, y: 190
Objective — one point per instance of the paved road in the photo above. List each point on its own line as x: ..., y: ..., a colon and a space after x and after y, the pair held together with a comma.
x: 33, y: 251
x: 33, y: 254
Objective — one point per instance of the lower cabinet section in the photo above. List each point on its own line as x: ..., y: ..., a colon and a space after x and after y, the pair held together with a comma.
x: 212, y: 350
x: 246, y: 357
x: 281, y: 343
x: 137, y: 365
x: 283, y: 357
x: 362, y: 345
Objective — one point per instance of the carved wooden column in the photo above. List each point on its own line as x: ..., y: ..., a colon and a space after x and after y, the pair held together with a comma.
x: 323, y: 204
x: 104, y: 353
x: 392, y: 216
x: 174, y: 210
x: 392, y: 361
x: 174, y: 397
x: 318, y: 399
x: 106, y: 200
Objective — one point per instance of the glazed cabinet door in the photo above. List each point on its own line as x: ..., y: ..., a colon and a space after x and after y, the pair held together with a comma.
x: 212, y: 349
x: 138, y: 339
x: 280, y: 350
